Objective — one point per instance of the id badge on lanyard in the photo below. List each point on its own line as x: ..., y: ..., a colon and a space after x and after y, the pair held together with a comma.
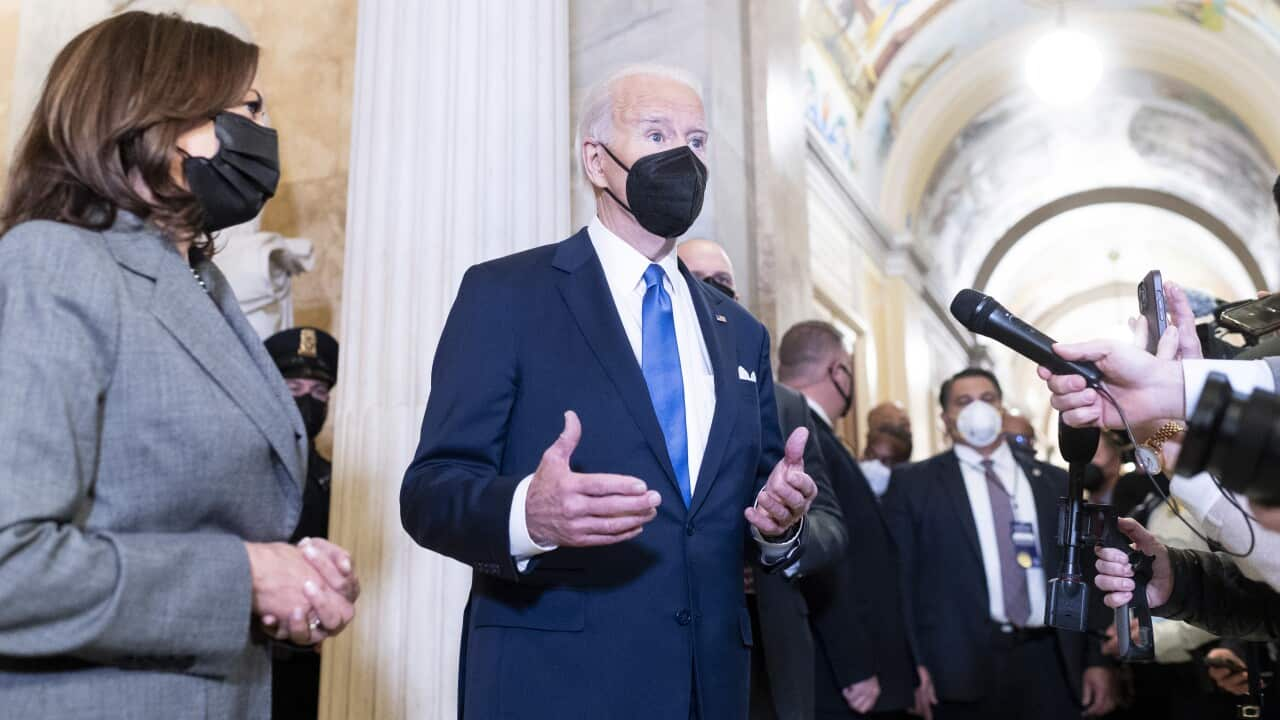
x: 1024, y: 544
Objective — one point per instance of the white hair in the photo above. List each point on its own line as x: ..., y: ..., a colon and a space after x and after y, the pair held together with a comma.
x: 595, y: 118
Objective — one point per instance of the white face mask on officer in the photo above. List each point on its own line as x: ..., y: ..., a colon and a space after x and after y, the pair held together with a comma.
x: 979, y: 423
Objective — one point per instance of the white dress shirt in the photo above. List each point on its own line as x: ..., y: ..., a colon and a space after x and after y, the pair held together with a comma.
x: 624, y: 269
x: 1024, y: 510
x: 1200, y: 493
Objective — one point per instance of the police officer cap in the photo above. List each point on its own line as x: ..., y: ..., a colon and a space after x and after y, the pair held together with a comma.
x: 305, y: 352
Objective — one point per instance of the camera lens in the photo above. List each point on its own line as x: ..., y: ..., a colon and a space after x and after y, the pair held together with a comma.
x: 1235, y: 438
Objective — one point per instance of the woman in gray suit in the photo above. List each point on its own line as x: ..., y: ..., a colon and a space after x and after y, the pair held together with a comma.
x: 151, y: 458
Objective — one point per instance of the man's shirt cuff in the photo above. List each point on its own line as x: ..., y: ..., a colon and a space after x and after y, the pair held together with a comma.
x: 523, y: 548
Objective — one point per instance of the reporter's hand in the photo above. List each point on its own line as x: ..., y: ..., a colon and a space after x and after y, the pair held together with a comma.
x: 569, y: 509
x: 1099, y: 691
x: 787, y: 494
x: 1235, y: 682
x: 289, y: 595
x: 1115, y: 576
x: 1147, y: 388
x: 861, y: 696
x: 925, y: 696
x: 1184, y: 319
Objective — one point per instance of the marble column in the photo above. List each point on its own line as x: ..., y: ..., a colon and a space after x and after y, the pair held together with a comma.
x: 459, y: 154
x: 777, y: 191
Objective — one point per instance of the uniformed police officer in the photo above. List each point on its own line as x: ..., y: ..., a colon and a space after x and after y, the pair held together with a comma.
x: 308, y: 360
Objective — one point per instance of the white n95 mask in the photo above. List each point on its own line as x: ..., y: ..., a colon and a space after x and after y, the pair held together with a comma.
x: 877, y: 475
x: 979, y: 424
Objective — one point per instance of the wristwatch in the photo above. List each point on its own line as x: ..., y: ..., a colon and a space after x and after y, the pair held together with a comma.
x: 1148, y: 453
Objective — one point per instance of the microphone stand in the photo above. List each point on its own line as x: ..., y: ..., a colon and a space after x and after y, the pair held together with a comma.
x: 1068, y: 602
x: 1083, y: 525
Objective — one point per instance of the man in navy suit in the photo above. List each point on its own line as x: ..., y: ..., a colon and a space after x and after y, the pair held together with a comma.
x: 599, y: 426
x: 976, y: 531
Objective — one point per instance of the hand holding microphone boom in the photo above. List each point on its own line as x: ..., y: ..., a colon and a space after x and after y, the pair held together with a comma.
x: 984, y: 316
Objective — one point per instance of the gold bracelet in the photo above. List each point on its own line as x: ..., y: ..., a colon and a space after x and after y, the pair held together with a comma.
x: 1167, y: 432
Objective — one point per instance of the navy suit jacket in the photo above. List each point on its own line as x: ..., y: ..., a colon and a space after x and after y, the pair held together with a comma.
x: 640, y: 629
x: 945, y: 584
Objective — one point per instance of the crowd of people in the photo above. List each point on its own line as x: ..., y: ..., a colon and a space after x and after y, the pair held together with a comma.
x: 661, y: 524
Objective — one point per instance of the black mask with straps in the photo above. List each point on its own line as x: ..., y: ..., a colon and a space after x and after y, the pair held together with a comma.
x: 234, y: 184
x: 665, y: 190
x: 314, y: 412
x: 847, y: 397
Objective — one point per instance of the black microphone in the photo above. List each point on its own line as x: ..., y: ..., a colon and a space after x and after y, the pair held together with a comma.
x: 984, y: 316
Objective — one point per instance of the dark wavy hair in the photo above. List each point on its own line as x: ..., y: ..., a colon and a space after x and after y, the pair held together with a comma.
x: 116, y: 101
x: 944, y: 395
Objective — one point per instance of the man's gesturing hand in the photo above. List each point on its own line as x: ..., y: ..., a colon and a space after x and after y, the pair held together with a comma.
x: 788, y: 493
x: 569, y: 509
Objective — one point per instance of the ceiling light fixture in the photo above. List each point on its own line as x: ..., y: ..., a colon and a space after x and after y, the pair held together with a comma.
x: 1064, y: 67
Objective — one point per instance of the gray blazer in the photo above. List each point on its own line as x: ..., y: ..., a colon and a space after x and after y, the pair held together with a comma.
x: 145, y: 435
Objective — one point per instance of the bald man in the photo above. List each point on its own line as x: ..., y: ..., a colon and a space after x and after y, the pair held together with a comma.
x: 709, y: 263
x: 889, y: 418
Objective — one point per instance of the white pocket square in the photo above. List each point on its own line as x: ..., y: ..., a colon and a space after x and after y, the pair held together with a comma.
x: 744, y: 375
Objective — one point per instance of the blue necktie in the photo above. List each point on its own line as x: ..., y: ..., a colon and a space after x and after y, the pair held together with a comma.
x: 660, y: 361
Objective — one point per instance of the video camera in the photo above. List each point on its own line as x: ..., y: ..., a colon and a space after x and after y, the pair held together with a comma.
x: 1237, y: 439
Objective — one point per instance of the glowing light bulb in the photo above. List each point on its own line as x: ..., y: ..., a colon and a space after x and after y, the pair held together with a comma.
x: 1064, y: 67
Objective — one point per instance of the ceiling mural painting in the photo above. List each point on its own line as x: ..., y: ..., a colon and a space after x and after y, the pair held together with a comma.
x: 1154, y: 132
x: 880, y: 56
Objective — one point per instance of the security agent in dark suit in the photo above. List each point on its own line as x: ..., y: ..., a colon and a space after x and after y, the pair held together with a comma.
x: 782, y: 665
x: 976, y: 527
x: 865, y: 665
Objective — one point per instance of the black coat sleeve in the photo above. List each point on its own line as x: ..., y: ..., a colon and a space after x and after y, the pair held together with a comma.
x: 1210, y: 592
x: 839, y: 605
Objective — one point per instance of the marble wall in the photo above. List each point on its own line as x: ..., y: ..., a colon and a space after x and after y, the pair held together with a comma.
x: 306, y: 74
x: 9, y: 11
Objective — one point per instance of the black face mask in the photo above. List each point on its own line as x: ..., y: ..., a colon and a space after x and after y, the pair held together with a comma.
x: 665, y: 190
x: 234, y: 184
x: 846, y: 397
x: 314, y: 413
x: 721, y: 287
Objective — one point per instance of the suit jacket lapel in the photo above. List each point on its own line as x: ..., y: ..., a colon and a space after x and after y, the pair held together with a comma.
x: 191, y: 316
x: 586, y: 293
x: 293, y: 432
x: 720, y: 343
x: 953, y: 486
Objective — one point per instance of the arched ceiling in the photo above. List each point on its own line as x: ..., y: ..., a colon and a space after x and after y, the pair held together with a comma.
x: 1138, y: 130
x: 1059, y: 212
